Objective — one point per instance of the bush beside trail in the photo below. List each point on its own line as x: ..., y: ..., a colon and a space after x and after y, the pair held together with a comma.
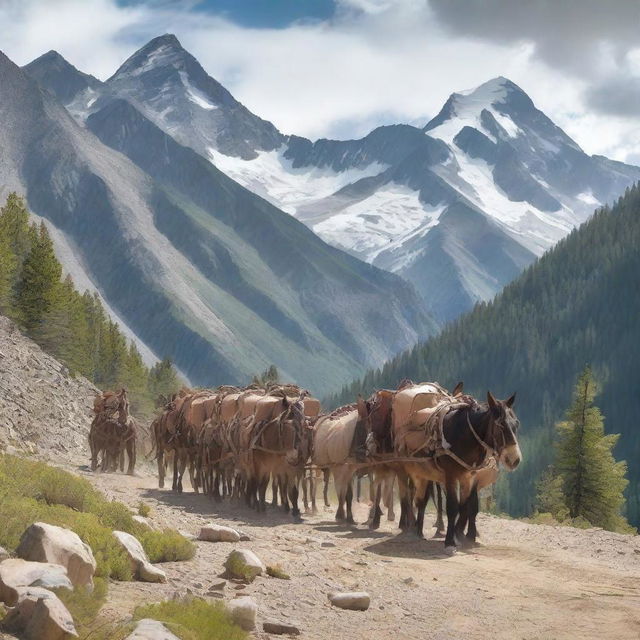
x: 32, y: 491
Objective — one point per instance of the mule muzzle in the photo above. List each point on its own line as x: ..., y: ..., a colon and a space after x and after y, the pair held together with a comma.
x: 511, y: 457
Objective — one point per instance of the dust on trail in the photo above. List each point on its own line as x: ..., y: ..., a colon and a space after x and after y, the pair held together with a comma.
x: 527, y: 582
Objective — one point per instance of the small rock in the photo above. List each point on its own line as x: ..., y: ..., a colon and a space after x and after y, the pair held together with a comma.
x: 243, y: 612
x: 143, y: 521
x: 16, y: 572
x: 354, y: 600
x: 198, y: 585
x: 244, y: 564
x: 42, y: 542
x: 187, y: 535
x: 327, y: 544
x: 218, y: 533
x: 408, y: 580
x: 148, y: 629
x: 297, y: 550
x: 280, y: 628
x: 140, y: 566
x: 239, y: 587
x: 218, y: 586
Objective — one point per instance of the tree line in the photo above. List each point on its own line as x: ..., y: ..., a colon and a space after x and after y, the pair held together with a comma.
x: 72, y: 326
x: 578, y: 304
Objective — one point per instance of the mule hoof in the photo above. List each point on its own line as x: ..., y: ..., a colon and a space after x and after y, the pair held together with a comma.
x: 350, y: 521
x: 374, y: 525
x: 438, y: 534
x: 451, y: 550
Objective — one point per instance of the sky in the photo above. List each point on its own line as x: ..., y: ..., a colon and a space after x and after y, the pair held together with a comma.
x: 339, y: 68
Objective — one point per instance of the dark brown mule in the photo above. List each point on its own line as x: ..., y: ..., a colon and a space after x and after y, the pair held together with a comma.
x: 474, y: 435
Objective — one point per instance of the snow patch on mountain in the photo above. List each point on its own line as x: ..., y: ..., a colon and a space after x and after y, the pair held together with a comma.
x: 467, y: 107
x: 274, y: 177
x: 197, y: 97
x: 384, y: 220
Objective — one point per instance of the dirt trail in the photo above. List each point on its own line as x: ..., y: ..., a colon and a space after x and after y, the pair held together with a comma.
x: 527, y: 582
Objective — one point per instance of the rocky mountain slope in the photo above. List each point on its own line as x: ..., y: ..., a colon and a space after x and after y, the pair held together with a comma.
x: 43, y: 410
x: 197, y: 267
x: 458, y: 208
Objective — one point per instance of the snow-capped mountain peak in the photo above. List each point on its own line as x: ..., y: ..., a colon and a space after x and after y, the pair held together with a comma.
x: 162, y: 51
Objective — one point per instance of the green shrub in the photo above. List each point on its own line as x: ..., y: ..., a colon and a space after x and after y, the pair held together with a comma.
x: 193, y: 619
x: 167, y: 546
x: 276, y: 571
x: 144, y: 509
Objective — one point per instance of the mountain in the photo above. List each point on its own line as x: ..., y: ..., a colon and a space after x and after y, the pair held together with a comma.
x: 61, y: 78
x: 579, y: 304
x: 458, y: 208
x: 198, y: 268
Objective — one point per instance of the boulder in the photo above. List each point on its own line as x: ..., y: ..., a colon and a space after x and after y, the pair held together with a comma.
x: 218, y: 533
x: 16, y: 573
x: 242, y: 563
x: 43, y: 542
x: 40, y: 615
x: 243, y: 612
x: 140, y: 566
x: 355, y: 600
x: 148, y: 629
x: 280, y: 628
x: 143, y: 521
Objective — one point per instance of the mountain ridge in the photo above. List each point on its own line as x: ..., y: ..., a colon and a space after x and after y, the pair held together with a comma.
x: 106, y: 206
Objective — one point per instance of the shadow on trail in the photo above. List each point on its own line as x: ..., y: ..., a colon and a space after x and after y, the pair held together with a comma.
x: 235, y: 510
x: 406, y: 545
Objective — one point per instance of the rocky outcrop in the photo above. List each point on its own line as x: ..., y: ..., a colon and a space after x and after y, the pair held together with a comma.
x: 355, y: 600
x: 43, y: 410
x: 140, y: 566
x: 39, y: 614
x: 43, y: 542
x: 218, y: 533
x: 16, y: 573
x: 280, y: 628
x: 243, y: 612
x: 148, y: 629
x: 244, y: 564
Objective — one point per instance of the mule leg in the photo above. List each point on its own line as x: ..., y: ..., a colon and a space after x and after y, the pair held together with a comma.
x: 340, y: 479
x: 312, y: 491
x: 293, y: 496
x: 160, y: 460
x: 131, y: 454
x: 466, y: 487
x: 305, y: 491
x: 261, y: 503
x: 274, y: 490
x: 349, y: 500
x: 421, y: 503
x: 375, y: 512
x: 193, y: 476
x: 439, y: 525
x: 474, y: 507
x: 325, y: 490
x: 388, y: 496
x: 452, y: 514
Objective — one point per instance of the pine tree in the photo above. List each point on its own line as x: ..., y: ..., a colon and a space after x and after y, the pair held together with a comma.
x: 163, y: 380
x: 39, y: 284
x: 14, y: 226
x: 8, y: 268
x: 550, y: 497
x: 269, y: 375
x: 593, y: 482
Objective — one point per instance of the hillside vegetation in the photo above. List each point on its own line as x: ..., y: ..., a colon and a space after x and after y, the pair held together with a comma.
x: 578, y: 305
x: 72, y: 327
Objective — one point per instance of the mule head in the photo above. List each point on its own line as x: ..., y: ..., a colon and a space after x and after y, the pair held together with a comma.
x: 505, y: 425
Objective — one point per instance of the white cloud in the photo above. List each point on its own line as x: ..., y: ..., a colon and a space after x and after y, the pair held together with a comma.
x: 376, y: 61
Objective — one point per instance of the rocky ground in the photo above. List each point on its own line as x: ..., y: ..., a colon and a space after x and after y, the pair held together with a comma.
x: 42, y: 409
x: 526, y: 581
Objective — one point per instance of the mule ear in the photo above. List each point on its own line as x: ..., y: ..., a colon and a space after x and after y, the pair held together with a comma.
x: 509, y: 401
x: 458, y: 389
x: 362, y: 407
x: 492, y: 402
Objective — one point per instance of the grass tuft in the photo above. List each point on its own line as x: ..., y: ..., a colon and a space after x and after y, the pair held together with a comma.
x: 167, y: 546
x: 144, y: 510
x: 276, y: 571
x: 193, y: 619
